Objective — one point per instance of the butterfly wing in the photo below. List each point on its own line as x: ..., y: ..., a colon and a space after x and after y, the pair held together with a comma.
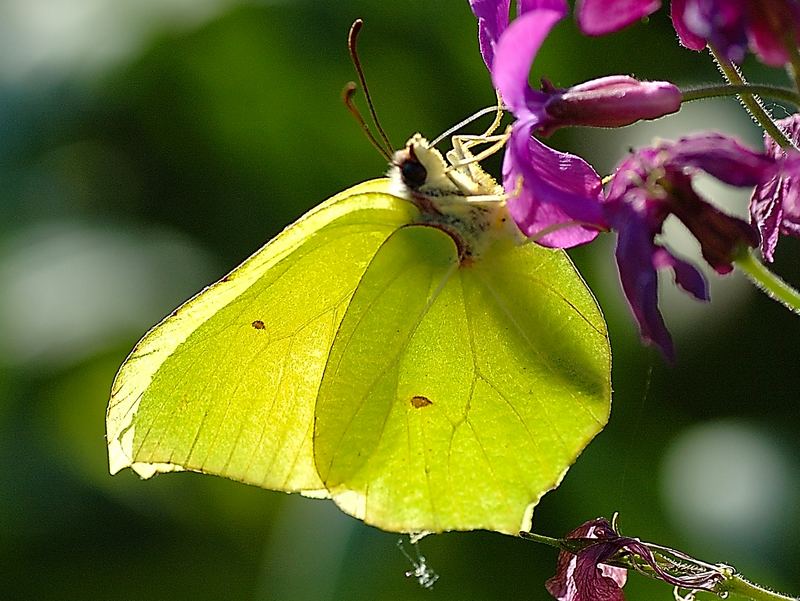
x: 227, y: 383
x: 455, y: 395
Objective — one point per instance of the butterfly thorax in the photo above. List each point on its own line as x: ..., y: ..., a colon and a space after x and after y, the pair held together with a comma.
x: 459, y: 198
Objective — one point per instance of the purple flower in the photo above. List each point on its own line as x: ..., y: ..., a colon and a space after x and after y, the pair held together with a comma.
x: 583, y: 575
x: 720, y: 23
x: 555, y: 196
x: 773, y: 27
x: 655, y: 182
x: 775, y: 204
x: 768, y: 27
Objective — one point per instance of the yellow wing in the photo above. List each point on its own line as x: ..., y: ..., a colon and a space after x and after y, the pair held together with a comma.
x: 226, y: 384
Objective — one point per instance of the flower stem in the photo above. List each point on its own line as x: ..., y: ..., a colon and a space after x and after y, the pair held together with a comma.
x: 794, y: 65
x: 739, y: 586
x: 767, y: 281
x: 541, y: 538
x: 751, y: 102
x: 721, y: 90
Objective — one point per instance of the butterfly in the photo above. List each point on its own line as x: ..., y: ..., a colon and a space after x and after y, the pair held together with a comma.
x: 399, y: 349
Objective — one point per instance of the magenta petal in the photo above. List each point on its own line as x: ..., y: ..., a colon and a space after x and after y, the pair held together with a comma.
x: 584, y: 579
x: 790, y: 204
x: 687, y: 37
x: 637, y: 273
x: 524, y: 6
x: 775, y: 205
x: 514, y: 56
x: 687, y: 276
x: 599, y: 17
x: 583, y: 576
x: 721, y: 23
x: 769, y: 23
x: 724, y: 158
x: 492, y: 21
x: 767, y: 213
x: 550, y: 189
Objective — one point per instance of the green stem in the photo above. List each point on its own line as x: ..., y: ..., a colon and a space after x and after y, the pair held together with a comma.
x: 794, y: 65
x: 751, y: 103
x: 721, y: 90
x: 768, y: 282
x: 541, y: 538
x: 739, y: 586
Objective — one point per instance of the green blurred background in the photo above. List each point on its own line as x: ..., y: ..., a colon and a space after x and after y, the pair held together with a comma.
x: 148, y: 146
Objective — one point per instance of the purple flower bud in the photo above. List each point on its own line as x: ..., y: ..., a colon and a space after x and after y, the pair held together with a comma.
x: 613, y: 101
x: 775, y: 204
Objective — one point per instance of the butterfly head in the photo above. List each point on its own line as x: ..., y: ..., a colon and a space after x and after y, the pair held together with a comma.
x: 419, y: 170
x: 454, y: 195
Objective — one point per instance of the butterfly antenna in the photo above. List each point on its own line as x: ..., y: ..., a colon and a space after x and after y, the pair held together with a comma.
x: 352, y: 40
x: 348, y: 93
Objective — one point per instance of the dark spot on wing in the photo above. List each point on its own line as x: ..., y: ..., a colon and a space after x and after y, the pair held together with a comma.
x: 227, y: 278
x: 418, y: 402
x: 258, y: 324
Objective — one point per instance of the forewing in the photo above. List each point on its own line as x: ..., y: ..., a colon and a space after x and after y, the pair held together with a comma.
x: 227, y: 383
x: 455, y: 395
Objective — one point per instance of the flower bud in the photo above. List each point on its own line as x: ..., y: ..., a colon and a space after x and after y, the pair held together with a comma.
x: 612, y: 101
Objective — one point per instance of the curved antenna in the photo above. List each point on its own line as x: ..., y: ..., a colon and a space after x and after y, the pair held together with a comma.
x: 352, y: 40
x: 348, y: 93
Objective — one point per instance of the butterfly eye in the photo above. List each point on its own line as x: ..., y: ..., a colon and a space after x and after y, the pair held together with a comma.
x: 413, y: 173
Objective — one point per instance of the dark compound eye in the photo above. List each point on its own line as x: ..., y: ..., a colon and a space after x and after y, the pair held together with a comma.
x: 413, y: 173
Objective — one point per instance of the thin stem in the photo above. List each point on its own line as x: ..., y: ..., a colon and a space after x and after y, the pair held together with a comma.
x: 721, y: 90
x: 739, y: 586
x: 794, y: 65
x: 767, y: 281
x: 751, y: 102
x: 541, y: 538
